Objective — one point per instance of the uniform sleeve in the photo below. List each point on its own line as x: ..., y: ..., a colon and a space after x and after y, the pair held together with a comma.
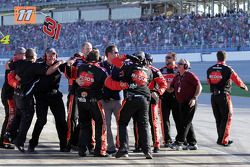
x: 62, y: 67
x: 11, y: 65
x: 160, y: 81
x: 12, y: 81
x: 40, y: 68
x: 115, y: 85
x: 208, y: 81
x: 236, y: 79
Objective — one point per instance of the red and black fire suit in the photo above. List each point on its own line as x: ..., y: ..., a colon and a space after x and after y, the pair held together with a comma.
x: 23, y: 95
x: 157, y: 85
x: 7, y: 93
x: 47, y: 95
x: 168, y: 103
x: 136, y: 101
x: 73, y: 116
x: 89, y: 97
x: 220, y: 77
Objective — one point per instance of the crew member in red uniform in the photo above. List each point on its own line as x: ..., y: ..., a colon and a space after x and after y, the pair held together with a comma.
x: 187, y: 88
x: 90, y: 79
x: 72, y: 118
x: 157, y: 87
x: 168, y: 100
x: 134, y: 79
x: 220, y: 77
x: 8, y: 132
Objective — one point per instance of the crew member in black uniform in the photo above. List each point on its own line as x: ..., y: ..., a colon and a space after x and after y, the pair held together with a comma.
x: 168, y: 101
x: 8, y: 132
x: 28, y: 73
x: 157, y: 87
x: 47, y: 95
x: 220, y: 77
x: 134, y: 80
x: 90, y: 78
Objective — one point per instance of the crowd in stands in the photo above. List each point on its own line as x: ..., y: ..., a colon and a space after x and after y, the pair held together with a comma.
x: 223, y: 30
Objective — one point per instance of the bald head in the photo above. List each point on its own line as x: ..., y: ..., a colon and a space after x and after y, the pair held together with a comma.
x: 86, y: 48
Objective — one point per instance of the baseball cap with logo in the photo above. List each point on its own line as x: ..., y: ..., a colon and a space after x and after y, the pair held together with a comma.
x: 20, y: 50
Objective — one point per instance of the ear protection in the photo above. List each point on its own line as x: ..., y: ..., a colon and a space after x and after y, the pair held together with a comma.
x: 185, y: 66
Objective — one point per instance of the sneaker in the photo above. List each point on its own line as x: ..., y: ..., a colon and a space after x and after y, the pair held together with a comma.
x: 148, y: 156
x: 120, y: 154
x: 66, y: 149
x: 156, y: 149
x: 176, y: 147
x: 192, y: 147
x: 91, y: 152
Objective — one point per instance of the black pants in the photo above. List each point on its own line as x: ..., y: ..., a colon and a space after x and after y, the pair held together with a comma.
x: 153, y: 124
x: 168, y: 103
x: 56, y: 105
x: 72, y: 120
x: 88, y: 111
x: 137, y: 107
x: 223, y: 110
x: 24, y: 109
x: 186, y: 131
x: 4, y: 125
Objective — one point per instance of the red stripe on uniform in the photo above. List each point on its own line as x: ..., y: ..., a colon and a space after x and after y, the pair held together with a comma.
x: 229, y: 120
x: 104, y: 130
x: 118, y: 118
x: 71, y: 99
x: 162, y: 124
x: 155, y: 126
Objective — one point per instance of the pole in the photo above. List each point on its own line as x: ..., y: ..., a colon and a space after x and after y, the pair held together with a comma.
x: 196, y: 7
x: 212, y: 7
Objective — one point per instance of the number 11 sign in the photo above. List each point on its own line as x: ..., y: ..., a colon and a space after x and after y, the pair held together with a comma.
x: 25, y: 14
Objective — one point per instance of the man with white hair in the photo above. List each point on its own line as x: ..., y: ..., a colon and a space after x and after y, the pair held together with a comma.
x: 187, y: 88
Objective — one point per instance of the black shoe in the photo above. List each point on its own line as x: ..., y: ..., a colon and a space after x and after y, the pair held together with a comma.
x: 167, y: 145
x: 228, y: 143
x: 66, y: 149
x: 101, y: 155
x: 82, y: 153
x: 148, y: 156
x: 120, y: 154
x: 112, y: 152
x: 137, y: 150
x: 91, y: 152
x: 156, y: 150
x: 31, y: 149
x: 20, y: 148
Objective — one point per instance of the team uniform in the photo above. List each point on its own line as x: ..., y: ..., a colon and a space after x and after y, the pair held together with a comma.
x: 47, y: 95
x: 73, y: 115
x: 220, y: 77
x: 167, y: 103
x: 23, y: 96
x: 157, y: 85
x: 7, y: 93
x: 135, y: 104
x: 89, y: 97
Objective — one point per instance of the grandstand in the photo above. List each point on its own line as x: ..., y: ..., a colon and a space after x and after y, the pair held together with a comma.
x: 155, y: 26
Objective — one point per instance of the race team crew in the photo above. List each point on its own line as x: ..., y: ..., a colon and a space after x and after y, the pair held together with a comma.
x: 116, y: 85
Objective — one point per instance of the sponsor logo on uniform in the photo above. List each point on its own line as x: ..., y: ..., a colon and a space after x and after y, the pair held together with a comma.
x: 215, y: 77
x: 87, y: 78
x: 140, y: 77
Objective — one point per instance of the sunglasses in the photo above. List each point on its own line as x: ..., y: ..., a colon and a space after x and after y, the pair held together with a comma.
x: 168, y: 57
x: 180, y: 64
